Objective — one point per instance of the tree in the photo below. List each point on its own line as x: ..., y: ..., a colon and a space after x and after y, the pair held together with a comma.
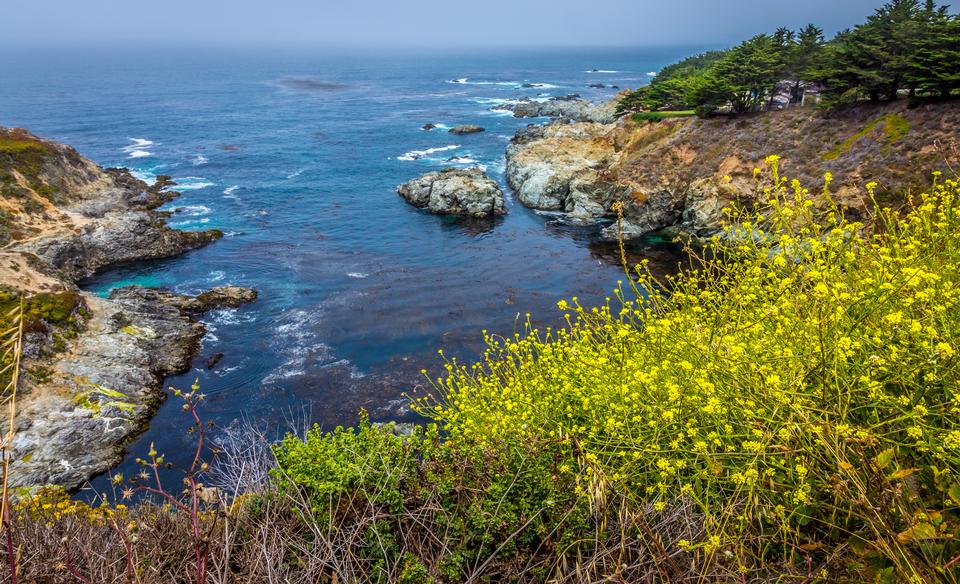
x: 873, y: 58
x: 806, y: 56
x: 748, y: 72
x: 934, y: 65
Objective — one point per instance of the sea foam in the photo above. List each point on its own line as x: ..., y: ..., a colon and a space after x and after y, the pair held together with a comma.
x: 420, y: 154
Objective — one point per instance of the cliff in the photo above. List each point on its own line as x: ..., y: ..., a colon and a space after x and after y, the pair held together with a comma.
x: 93, y: 367
x: 673, y: 172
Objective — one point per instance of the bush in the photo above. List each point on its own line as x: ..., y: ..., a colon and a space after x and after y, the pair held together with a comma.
x: 799, y: 386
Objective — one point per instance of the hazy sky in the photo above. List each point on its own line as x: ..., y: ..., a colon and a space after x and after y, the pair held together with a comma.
x: 476, y: 23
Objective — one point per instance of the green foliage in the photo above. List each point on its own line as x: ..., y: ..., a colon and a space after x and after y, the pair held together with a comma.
x: 507, y: 498
x: 670, y: 89
x: 903, y: 46
x: 54, y: 315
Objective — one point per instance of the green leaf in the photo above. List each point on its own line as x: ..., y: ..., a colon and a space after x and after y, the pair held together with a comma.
x: 954, y: 493
x: 884, y: 459
x: 920, y: 531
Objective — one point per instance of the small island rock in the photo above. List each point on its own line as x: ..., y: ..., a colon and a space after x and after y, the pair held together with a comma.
x: 454, y: 191
x: 467, y: 129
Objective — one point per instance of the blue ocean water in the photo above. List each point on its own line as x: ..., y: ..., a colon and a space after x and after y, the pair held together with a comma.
x: 296, y: 156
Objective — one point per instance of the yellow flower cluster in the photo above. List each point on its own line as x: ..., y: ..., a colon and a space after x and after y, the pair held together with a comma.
x: 800, y: 345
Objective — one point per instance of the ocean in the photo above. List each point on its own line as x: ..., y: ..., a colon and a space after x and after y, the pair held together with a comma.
x: 296, y: 156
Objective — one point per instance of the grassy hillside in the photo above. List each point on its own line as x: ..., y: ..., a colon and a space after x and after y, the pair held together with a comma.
x: 891, y: 144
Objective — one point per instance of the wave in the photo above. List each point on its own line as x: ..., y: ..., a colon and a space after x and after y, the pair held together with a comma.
x: 358, y: 275
x: 462, y: 160
x: 601, y: 71
x: 228, y: 193
x: 138, y: 148
x: 420, y: 154
x: 191, y: 183
x: 296, y: 173
x: 296, y: 341
x: 652, y: 73
x: 202, y: 221
x: 514, y: 84
x: 193, y: 210
x: 200, y: 159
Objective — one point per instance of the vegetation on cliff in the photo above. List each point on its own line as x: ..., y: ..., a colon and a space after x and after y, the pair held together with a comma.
x: 787, y: 407
x: 905, y: 46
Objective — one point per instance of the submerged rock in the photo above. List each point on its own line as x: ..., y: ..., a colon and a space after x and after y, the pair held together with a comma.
x: 466, y: 129
x: 454, y: 191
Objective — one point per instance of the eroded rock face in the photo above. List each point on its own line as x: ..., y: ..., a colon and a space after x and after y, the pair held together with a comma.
x: 453, y: 191
x: 106, y: 385
x: 555, y: 167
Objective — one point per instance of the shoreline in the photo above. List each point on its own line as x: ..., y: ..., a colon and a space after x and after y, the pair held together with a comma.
x: 94, y: 367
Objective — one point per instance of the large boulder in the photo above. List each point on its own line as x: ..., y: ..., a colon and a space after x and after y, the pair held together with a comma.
x: 554, y: 167
x: 455, y: 191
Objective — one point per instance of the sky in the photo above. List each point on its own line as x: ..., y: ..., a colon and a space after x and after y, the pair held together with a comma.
x: 416, y: 23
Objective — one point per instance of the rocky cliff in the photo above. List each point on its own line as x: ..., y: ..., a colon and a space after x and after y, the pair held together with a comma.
x: 675, y: 172
x: 93, y: 367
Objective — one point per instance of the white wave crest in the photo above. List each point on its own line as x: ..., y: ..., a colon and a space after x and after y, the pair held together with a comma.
x: 601, y: 71
x: 191, y: 183
x: 193, y: 210
x: 296, y: 173
x: 138, y: 148
x: 358, y: 275
x: 420, y: 154
x: 200, y: 159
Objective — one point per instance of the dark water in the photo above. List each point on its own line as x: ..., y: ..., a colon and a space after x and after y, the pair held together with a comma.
x: 296, y: 156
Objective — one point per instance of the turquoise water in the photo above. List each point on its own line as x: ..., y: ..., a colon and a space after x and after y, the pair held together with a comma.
x: 296, y: 156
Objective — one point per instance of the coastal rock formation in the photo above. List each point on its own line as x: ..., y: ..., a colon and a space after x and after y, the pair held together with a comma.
x: 103, y: 388
x: 556, y: 167
x: 454, y: 191
x: 568, y: 107
x: 466, y: 129
x: 683, y: 172
x: 93, y: 366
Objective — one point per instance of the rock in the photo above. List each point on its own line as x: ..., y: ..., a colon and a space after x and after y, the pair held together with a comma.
x: 544, y: 161
x: 568, y: 107
x: 213, y: 360
x: 428, y: 127
x: 103, y: 378
x: 108, y: 384
x: 597, y: 85
x: 466, y: 129
x: 222, y: 297
x: 452, y: 191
